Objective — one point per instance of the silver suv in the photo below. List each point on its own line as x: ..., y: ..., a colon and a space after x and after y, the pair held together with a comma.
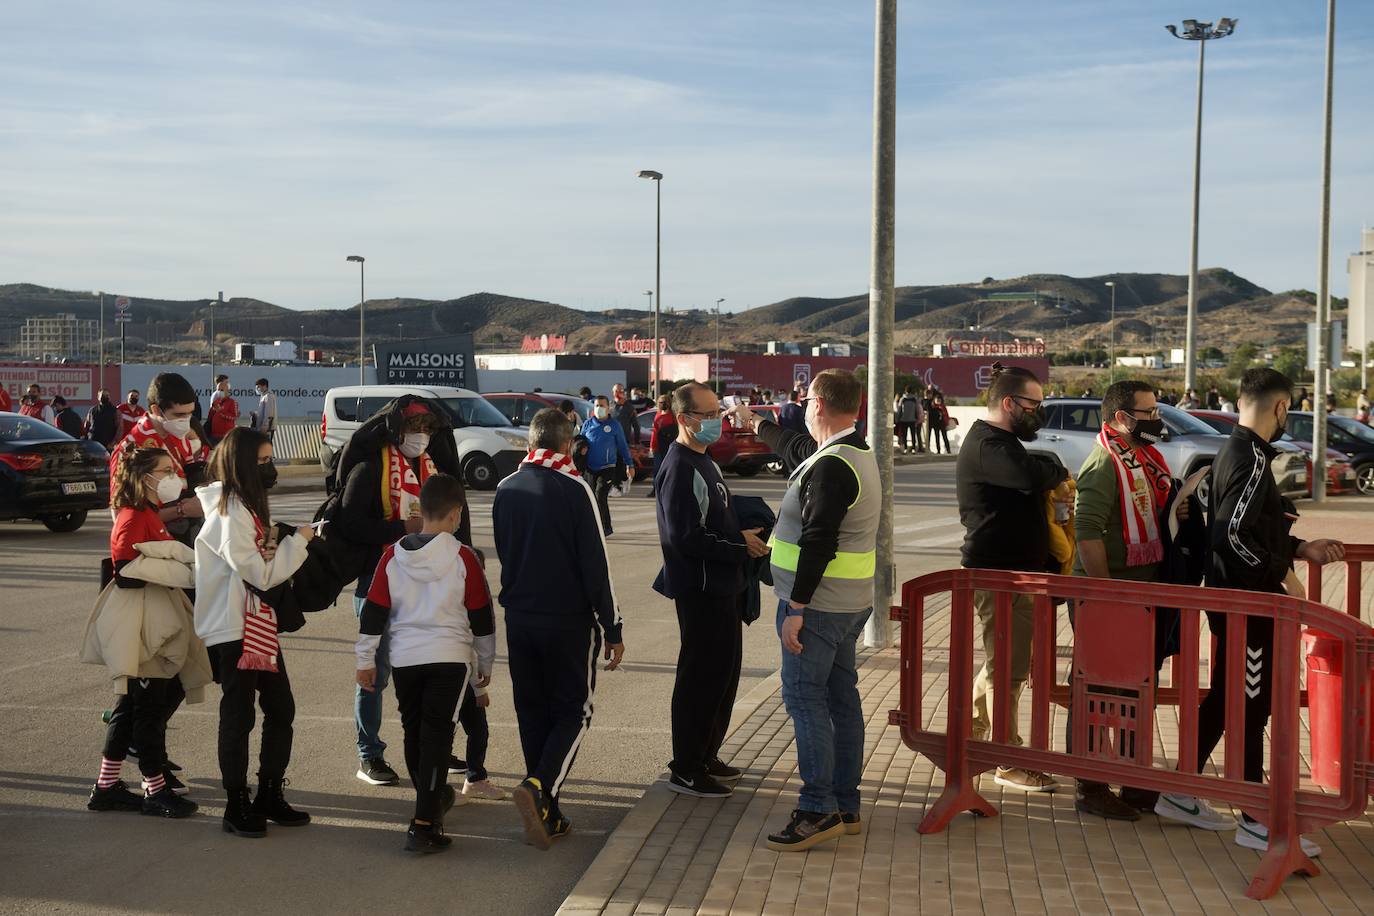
x: 1072, y: 424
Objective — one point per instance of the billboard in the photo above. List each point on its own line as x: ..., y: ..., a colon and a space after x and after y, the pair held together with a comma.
x: 444, y: 361
x: 78, y: 384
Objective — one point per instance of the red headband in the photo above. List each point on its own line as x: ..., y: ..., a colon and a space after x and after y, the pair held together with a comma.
x: 414, y: 409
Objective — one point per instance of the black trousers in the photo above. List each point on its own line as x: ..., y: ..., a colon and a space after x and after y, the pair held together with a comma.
x: 907, y: 437
x: 553, y: 680
x: 473, y: 718
x: 139, y: 721
x: 602, y: 481
x: 938, y: 433
x: 1259, y: 678
x: 271, y: 691
x: 708, y: 664
x: 428, y: 699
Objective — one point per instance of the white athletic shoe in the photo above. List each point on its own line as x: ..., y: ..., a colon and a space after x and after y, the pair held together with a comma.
x: 484, y: 789
x: 1194, y: 812
x: 1254, y: 835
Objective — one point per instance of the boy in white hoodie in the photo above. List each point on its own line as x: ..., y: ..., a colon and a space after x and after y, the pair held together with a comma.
x: 430, y: 595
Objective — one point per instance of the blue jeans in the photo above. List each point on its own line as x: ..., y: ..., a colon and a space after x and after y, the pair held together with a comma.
x: 367, y: 707
x: 820, y: 691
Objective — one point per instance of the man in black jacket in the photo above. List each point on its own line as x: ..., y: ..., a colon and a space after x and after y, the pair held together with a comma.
x: 625, y: 413
x: 561, y: 613
x: 1251, y: 549
x: 404, y: 443
x: 704, y: 557
x: 102, y: 421
x: 1001, y: 490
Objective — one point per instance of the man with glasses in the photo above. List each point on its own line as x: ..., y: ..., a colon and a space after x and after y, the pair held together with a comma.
x: 1001, y: 490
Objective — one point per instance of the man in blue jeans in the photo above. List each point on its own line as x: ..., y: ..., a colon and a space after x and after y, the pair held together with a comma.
x: 823, y: 565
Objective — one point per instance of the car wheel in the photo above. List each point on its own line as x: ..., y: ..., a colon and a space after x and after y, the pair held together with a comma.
x: 65, y: 523
x: 1364, y: 478
x: 748, y: 470
x: 479, y: 472
x: 776, y: 467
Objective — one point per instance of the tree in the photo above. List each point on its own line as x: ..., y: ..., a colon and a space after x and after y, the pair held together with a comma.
x: 1291, y: 362
x: 1208, y: 354
x: 1241, y: 359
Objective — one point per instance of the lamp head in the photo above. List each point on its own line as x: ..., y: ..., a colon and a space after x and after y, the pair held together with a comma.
x: 1110, y: 283
x: 355, y: 257
x: 651, y: 174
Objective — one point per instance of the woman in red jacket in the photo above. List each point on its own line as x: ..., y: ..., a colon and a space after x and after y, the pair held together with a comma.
x: 662, y: 436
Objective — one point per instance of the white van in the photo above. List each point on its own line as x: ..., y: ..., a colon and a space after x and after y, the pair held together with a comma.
x: 489, y: 447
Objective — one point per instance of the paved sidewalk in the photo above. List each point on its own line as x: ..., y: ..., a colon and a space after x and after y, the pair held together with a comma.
x: 676, y: 855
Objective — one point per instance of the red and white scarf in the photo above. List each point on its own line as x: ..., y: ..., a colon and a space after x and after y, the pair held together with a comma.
x: 548, y: 458
x: 1143, y: 481
x: 401, y: 485
x: 260, y: 646
x: 145, y: 435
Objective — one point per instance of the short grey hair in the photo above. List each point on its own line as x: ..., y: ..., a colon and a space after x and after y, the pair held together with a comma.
x: 684, y: 397
x: 550, y: 429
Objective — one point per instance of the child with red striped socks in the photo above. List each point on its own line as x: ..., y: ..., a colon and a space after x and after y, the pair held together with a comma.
x: 238, y: 548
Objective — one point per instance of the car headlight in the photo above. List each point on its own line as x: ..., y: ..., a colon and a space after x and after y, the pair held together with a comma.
x: 514, y: 437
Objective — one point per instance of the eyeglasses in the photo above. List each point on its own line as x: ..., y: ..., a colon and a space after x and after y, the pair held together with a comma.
x: 1152, y: 414
x: 1032, y: 401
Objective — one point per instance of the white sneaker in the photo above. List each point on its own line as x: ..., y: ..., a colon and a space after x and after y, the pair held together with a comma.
x: 485, y: 789
x: 1254, y: 835
x: 1194, y: 812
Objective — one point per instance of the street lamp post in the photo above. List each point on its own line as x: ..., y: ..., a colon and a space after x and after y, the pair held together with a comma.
x: 362, y: 308
x: 1201, y: 32
x: 719, y: 389
x: 657, y: 179
x: 1319, y: 379
x: 102, y: 338
x: 220, y: 300
x: 1111, y: 340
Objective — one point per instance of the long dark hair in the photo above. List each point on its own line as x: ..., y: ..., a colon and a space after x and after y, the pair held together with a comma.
x: 234, y: 463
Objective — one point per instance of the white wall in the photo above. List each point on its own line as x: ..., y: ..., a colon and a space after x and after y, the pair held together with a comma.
x: 300, y: 390
x: 567, y: 381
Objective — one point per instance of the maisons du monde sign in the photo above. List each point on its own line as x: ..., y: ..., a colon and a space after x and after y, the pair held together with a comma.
x: 443, y: 361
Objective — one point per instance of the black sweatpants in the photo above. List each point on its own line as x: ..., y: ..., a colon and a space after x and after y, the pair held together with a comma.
x: 139, y: 721
x: 708, y: 664
x: 553, y: 680
x: 272, y: 692
x: 602, y: 481
x: 1259, y: 678
x: 473, y: 718
x: 428, y: 699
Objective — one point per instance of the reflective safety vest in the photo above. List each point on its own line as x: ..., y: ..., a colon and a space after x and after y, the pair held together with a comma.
x: 847, y: 583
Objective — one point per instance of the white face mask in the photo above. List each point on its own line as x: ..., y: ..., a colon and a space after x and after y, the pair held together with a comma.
x: 414, y: 444
x: 602, y: 412
x: 169, y: 489
x: 178, y: 428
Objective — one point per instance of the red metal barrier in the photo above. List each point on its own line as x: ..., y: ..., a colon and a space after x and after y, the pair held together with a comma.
x: 1116, y: 618
x: 1355, y: 556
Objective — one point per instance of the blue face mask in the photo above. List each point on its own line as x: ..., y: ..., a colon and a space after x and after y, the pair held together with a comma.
x: 709, y: 432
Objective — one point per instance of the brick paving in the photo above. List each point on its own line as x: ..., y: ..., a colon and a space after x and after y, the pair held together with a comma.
x: 674, y: 855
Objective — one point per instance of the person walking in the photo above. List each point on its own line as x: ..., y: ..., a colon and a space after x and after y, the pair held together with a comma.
x: 381, y: 471
x: 240, y: 555
x: 1121, y: 528
x: 909, y: 420
x: 665, y: 431
x: 792, y: 416
x: 625, y: 413
x: 1252, y: 550
x: 224, y: 410
x: 64, y: 418
x: 561, y: 614
x: 1001, y: 491
x: 704, y: 559
x: 33, y: 405
x: 823, y: 555
x: 609, y: 463
x: 102, y: 421
x: 265, y: 417
x: 130, y: 413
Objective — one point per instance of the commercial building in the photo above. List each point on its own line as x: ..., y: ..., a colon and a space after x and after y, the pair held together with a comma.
x: 59, y: 337
x: 1360, y: 266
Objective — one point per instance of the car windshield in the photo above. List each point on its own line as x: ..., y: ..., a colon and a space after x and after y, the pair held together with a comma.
x: 1354, y: 428
x: 1185, y: 422
x: 476, y: 412
x: 29, y: 429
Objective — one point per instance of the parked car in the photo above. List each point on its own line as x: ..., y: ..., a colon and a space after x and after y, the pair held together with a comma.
x: 1072, y: 424
x: 489, y: 446
x: 1350, y: 437
x: 736, y: 450
x: 520, y: 407
x: 1340, y: 476
x: 47, y: 475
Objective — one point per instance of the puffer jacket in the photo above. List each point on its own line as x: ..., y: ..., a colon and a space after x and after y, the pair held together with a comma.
x: 150, y: 632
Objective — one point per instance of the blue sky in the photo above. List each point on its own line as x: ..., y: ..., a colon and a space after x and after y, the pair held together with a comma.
x: 178, y: 148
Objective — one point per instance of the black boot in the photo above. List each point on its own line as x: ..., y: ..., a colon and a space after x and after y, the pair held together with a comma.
x: 239, y: 816
x: 426, y: 838
x: 271, y: 804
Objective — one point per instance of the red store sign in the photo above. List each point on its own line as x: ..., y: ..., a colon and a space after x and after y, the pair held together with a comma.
x: 544, y: 343
x: 1015, y: 347
x: 635, y: 345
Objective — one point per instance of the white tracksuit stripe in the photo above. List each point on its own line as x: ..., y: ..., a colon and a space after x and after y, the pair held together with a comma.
x: 586, y: 716
x: 1257, y: 472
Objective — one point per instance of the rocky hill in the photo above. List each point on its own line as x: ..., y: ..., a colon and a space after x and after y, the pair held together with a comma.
x: 1069, y: 312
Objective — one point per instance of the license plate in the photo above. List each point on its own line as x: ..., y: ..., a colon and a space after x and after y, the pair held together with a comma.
x: 1302, y: 477
x: 85, y: 486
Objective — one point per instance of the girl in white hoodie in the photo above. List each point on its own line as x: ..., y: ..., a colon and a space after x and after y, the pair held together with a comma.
x: 237, y: 548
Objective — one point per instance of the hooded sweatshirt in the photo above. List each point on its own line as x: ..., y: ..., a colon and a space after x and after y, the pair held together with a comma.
x: 429, y: 592
x: 227, y: 556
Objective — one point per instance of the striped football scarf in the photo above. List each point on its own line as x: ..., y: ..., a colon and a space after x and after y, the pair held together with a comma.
x: 1143, y: 481
x: 260, y: 646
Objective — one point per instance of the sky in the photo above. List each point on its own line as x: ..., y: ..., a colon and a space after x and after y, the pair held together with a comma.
x: 176, y: 149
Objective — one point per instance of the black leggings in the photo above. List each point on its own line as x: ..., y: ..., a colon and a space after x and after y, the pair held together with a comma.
x: 139, y: 721
x: 272, y: 692
x: 428, y: 699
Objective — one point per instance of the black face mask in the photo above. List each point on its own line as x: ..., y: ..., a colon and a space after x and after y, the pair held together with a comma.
x: 1282, y: 429
x: 267, y: 475
x: 1148, y: 432
x: 1027, y: 423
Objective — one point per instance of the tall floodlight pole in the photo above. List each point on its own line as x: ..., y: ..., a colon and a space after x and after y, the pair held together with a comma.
x: 1319, y: 380
x: 1201, y: 32
x: 220, y: 300
x: 881, y: 302
x: 719, y: 389
x: 101, y: 294
x: 657, y: 179
x: 362, y: 300
x: 1111, y: 345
